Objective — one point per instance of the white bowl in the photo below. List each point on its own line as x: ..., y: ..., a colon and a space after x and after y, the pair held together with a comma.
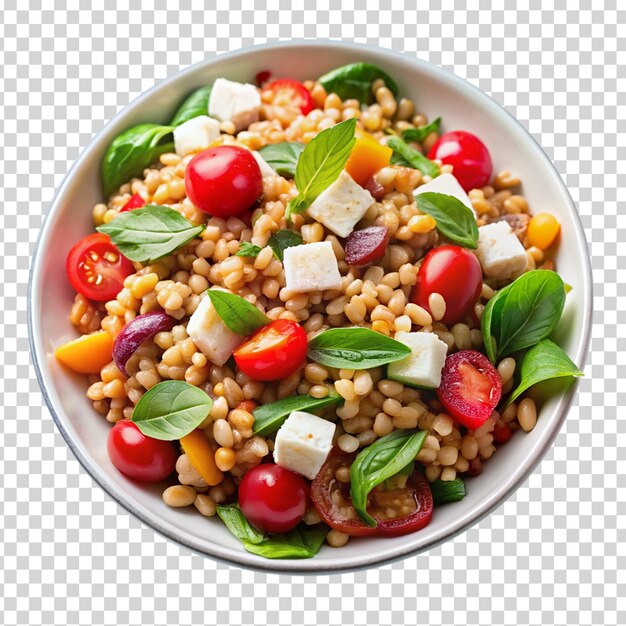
x: 437, y: 93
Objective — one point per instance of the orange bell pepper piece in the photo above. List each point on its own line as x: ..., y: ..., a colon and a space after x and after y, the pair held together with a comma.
x: 201, y: 456
x: 87, y: 354
x: 367, y: 157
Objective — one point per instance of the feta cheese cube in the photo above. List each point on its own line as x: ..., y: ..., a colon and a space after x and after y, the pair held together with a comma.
x: 499, y: 251
x: 266, y: 169
x: 239, y: 103
x: 448, y: 184
x: 303, y: 443
x: 342, y: 205
x: 311, y: 267
x: 422, y: 368
x: 195, y: 134
x: 210, y: 334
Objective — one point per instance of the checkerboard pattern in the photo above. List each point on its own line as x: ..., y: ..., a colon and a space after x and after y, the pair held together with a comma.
x: 555, y: 553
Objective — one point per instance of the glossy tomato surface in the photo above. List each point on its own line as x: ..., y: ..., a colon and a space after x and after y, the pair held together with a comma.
x: 274, y: 352
x: 291, y: 92
x: 138, y: 456
x: 273, y: 498
x: 224, y: 181
x: 467, y: 154
x: 135, y: 202
x: 96, y: 269
x: 454, y: 273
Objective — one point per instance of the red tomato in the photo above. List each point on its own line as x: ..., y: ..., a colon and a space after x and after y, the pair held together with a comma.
x: 96, y: 269
x: 138, y: 456
x: 262, y: 77
x: 273, y: 352
x: 135, y: 202
x: 273, y: 498
x: 454, y: 273
x: 293, y: 92
x: 224, y: 181
x: 467, y: 154
x: 332, y: 501
x: 470, y: 388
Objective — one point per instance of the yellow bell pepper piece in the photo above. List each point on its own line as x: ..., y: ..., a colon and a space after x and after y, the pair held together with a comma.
x: 201, y: 456
x: 542, y: 230
x: 367, y: 157
x: 87, y: 354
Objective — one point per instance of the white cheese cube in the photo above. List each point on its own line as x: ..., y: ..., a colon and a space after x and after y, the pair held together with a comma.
x: 448, y: 184
x: 499, y: 251
x: 195, y: 134
x: 422, y: 368
x: 210, y: 334
x: 266, y: 169
x: 239, y: 103
x: 342, y: 205
x: 311, y: 267
x: 303, y: 443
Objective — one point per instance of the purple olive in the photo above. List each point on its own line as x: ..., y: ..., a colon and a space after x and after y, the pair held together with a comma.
x: 367, y: 245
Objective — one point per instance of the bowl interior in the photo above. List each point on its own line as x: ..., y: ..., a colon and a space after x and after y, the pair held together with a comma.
x: 436, y: 93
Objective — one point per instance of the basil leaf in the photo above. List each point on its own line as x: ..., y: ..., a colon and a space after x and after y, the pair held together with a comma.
x: 321, y: 162
x: 544, y: 361
x: 380, y: 461
x: 248, y: 249
x: 238, y: 525
x: 150, y: 232
x: 241, y: 316
x: 447, y: 491
x: 405, y: 155
x: 282, y: 240
x: 171, y: 410
x: 355, y: 81
x: 283, y: 157
x: 132, y: 152
x: 454, y: 219
x: 355, y: 348
x: 268, y: 418
x: 523, y: 313
x: 197, y: 103
x: 419, y: 134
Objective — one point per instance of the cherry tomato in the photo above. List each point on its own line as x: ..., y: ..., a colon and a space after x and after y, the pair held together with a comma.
x: 273, y: 352
x: 138, y: 456
x: 291, y: 92
x: 135, y: 202
x: 224, y: 181
x: 454, y: 273
x: 468, y: 156
x: 273, y: 498
x: 470, y: 388
x: 96, y: 269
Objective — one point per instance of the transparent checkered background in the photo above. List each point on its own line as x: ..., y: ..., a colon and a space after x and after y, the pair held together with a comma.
x: 553, y: 554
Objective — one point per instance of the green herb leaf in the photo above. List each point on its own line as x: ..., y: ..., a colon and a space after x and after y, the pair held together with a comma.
x: 454, y: 219
x: 283, y: 157
x: 380, y: 461
x: 355, y: 348
x: 447, y: 491
x: 150, y: 232
x: 282, y: 240
x: 419, y: 134
x: 241, y: 316
x: 405, y: 155
x: 355, y: 81
x: 196, y: 104
x: 131, y: 152
x: 171, y: 410
x: 321, y: 162
x: 544, y: 361
x: 238, y: 525
x: 268, y: 418
x: 248, y: 249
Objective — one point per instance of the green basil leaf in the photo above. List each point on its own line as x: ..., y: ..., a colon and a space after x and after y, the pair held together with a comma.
x: 419, y: 134
x: 171, y: 410
x: 283, y: 157
x: 268, y: 418
x: 454, y: 219
x: 132, y: 152
x: 241, y: 316
x: 321, y: 162
x: 380, y: 461
x: 238, y: 525
x: 248, y: 249
x: 355, y: 81
x: 355, y: 348
x: 282, y: 240
x: 405, y: 155
x: 447, y: 491
x: 150, y: 232
x: 196, y: 104
x: 545, y: 361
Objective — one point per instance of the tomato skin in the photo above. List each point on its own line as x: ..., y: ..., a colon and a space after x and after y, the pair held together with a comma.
x: 298, y: 94
x: 273, y: 498
x: 135, y: 202
x: 467, y: 154
x: 139, y: 456
x: 87, y: 261
x: 454, y: 273
x: 224, y: 181
x: 275, y: 351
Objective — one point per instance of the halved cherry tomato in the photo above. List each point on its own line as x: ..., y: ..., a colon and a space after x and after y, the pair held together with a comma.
x: 292, y: 92
x: 332, y: 501
x: 470, y: 388
x: 135, y: 202
x: 96, y: 269
x: 273, y: 352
